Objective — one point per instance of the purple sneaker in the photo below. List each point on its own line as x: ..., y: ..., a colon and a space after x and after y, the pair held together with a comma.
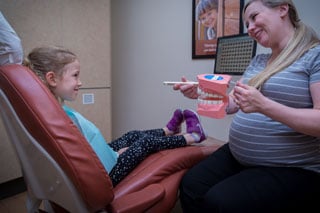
x: 194, y: 126
x: 174, y: 124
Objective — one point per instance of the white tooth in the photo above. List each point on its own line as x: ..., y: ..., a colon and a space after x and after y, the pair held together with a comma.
x: 211, y: 95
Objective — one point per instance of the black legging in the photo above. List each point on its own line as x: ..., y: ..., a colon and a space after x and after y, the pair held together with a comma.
x: 220, y: 184
x: 141, y: 144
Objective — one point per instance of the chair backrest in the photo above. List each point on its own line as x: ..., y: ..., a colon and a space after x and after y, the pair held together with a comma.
x: 57, y: 161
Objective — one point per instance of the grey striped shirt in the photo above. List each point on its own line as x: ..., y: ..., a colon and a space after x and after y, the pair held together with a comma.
x: 256, y: 139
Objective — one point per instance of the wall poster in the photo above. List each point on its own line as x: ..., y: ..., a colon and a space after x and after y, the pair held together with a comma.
x: 212, y: 19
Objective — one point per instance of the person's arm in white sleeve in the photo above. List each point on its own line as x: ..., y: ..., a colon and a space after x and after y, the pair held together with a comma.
x: 10, y: 44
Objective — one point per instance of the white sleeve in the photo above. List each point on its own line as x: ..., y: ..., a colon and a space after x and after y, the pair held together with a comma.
x: 10, y: 44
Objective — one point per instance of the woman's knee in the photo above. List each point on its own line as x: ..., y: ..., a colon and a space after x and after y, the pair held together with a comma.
x: 213, y: 201
x: 193, y: 185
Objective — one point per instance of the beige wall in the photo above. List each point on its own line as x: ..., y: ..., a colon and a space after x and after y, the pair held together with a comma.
x: 80, y: 25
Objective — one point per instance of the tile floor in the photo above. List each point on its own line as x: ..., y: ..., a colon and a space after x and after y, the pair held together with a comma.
x: 14, y: 204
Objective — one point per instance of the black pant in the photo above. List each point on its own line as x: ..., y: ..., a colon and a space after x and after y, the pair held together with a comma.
x: 220, y: 184
x: 141, y: 144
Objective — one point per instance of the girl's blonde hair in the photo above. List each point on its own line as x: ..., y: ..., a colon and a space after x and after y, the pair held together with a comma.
x: 304, y: 39
x: 41, y: 60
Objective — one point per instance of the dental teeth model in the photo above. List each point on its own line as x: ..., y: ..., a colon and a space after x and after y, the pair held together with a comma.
x: 213, y: 98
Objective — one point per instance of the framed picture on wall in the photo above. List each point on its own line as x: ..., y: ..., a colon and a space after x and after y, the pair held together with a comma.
x: 212, y: 19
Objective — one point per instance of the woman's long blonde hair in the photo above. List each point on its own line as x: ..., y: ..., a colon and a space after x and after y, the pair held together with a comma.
x: 304, y: 39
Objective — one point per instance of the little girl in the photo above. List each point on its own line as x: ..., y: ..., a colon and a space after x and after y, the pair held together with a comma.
x: 59, y: 69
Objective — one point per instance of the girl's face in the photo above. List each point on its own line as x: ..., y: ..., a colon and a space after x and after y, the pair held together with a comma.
x: 209, y: 19
x: 264, y: 24
x: 67, y: 85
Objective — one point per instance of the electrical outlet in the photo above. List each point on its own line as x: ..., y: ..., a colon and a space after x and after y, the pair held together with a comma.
x: 87, y: 98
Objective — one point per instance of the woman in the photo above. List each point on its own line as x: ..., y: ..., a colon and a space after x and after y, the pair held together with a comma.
x: 272, y: 160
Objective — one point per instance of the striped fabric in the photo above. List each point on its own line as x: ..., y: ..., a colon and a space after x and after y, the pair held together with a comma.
x: 256, y: 139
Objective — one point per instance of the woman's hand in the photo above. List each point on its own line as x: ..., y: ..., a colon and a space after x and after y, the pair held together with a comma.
x: 248, y: 98
x: 188, y: 90
x: 304, y: 120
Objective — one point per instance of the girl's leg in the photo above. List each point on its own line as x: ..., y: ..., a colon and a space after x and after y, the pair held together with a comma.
x: 132, y: 136
x: 173, y: 127
x: 138, y: 151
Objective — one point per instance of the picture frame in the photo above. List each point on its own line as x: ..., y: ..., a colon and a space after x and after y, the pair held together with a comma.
x: 234, y: 54
x: 223, y: 18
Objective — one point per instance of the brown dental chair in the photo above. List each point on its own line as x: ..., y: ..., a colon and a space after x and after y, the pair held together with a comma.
x: 61, y: 170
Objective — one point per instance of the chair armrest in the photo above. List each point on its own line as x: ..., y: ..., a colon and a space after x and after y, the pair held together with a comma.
x: 138, y: 201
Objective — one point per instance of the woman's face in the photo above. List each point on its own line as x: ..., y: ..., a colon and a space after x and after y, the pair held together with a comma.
x: 209, y: 19
x: 263, y: 23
